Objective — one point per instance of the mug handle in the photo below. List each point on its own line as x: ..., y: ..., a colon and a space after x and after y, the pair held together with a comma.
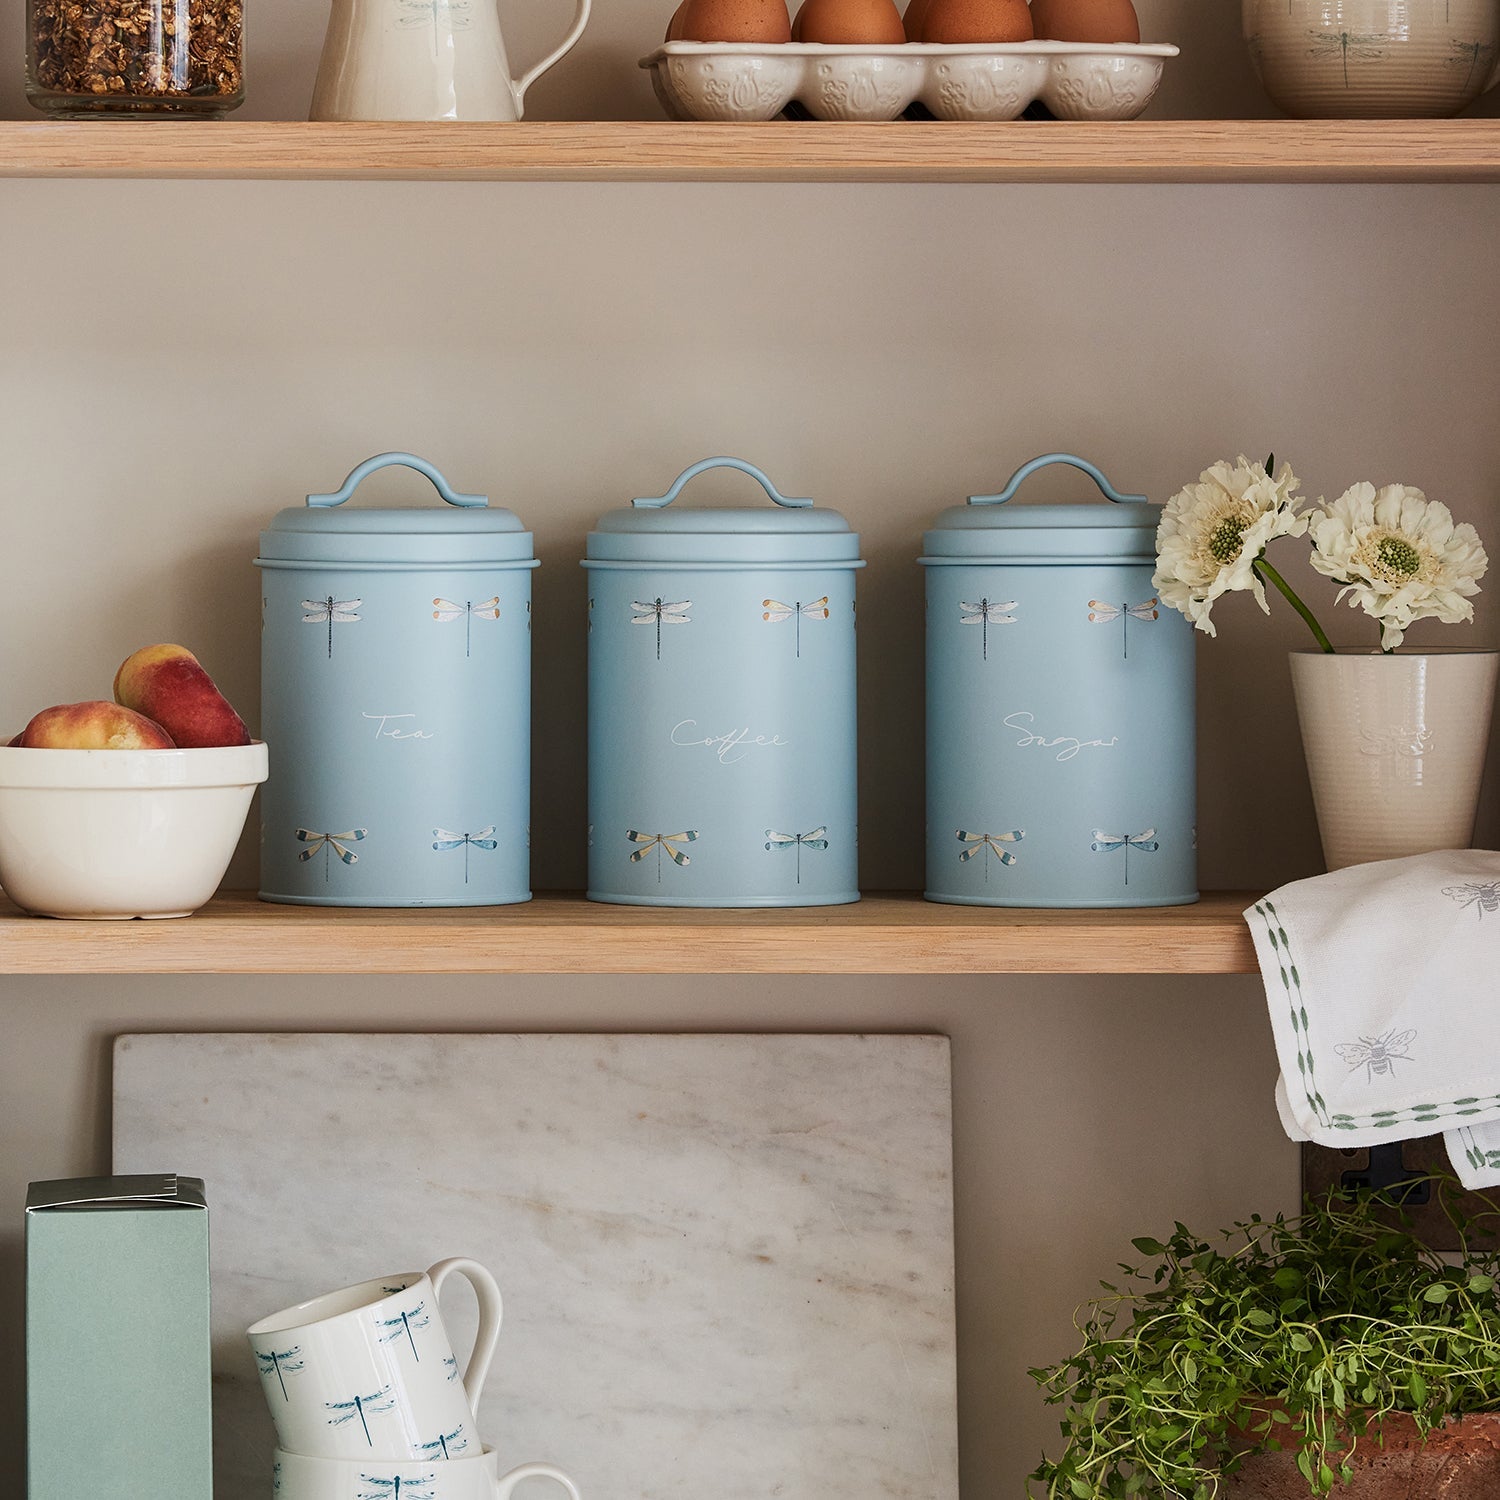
x: 490, y: 1311
x: 507, y: 1482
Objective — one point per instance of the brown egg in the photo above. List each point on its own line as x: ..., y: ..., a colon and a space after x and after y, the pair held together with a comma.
x: 674, y: 26
x: 977, y: 21
x: 916, y: 13
x: 866, y: 23
x: 1086, y: 20
x: 736, y: 21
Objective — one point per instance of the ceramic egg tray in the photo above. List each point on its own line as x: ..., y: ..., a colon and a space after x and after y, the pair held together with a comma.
x: 752, y: 81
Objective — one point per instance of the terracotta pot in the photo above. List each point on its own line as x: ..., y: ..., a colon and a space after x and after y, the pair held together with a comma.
x: 1459, y: 1461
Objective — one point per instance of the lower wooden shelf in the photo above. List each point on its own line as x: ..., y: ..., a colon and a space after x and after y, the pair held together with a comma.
x: 1466, y: 150
x: 565, y: 934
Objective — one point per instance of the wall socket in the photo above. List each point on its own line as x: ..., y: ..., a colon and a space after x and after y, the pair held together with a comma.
x: 1386, y: 1167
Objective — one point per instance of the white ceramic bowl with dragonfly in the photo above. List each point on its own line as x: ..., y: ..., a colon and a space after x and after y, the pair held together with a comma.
x: 104, y: 835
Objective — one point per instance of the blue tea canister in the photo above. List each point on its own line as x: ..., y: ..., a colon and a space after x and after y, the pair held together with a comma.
x: 1061, y: 763
x: 396, y: 698
x: 722, y: 703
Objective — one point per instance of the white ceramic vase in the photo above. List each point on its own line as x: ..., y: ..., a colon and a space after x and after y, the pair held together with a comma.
x: 1395, y: 748
x: 1374, y: 59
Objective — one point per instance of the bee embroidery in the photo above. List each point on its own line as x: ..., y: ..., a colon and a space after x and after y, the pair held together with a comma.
x: 1482, y: 896
x: 1377, y: 1055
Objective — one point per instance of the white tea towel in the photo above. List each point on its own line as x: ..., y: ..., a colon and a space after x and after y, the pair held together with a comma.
x: 1383, y: 982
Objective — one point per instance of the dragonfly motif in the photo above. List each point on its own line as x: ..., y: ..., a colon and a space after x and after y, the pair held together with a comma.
x: 658, y: 612
x: 1107, y: 843
x: 331, y: 612
x: 426, y: 13
x: 405, y: 1323
x: 1473, y: 53
x: 450, y: 1364
x: 469, y: 611
x: 1377, y: 1055
x: 984, y: 613
x: 330, y: 843
x: 816, y: 839
x: 484, y: 839
x: 1347, y: 44
x: 1483, y: 896
x: 988, y: 844
x: 363, y: 1407
x: 448, y: 1442
x: 663, y: 843
x: 418, y: 1487
x: 777, y: 613
x: 280, y: 1363
x: 1101, y: 613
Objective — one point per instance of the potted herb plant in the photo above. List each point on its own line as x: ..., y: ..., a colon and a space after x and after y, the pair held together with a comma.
x: 1395, y: 743
x: 1331, y: 1353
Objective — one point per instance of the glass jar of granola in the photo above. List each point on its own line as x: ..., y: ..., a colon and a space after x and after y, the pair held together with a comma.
x: 135, y: 57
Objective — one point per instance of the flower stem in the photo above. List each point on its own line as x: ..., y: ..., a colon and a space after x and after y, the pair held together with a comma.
x: 1265, y: 570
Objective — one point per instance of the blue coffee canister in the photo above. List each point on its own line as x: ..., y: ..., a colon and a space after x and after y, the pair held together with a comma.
x: 722, y: 703
x: 1061, y: 762
x: 396, y: 697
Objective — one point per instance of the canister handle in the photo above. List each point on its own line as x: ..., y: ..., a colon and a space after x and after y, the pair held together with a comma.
x: 655, y: 502
x: 1046, y: 461
x: 384, y: 461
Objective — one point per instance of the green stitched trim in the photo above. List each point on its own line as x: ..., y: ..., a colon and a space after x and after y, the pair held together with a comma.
x: 1282, y: 947
x: 1476, y: 1156
x: 1379, y: 1119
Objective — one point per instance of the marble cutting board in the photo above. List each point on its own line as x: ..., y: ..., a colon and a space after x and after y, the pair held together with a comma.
x: 727, y: 1261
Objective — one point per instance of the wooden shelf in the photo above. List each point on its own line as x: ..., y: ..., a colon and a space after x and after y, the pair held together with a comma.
x: 777, y: 151
x: 236, y: 934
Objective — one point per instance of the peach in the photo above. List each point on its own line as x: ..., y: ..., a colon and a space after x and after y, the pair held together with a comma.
x: 167, y: 683
x: 94, y: 726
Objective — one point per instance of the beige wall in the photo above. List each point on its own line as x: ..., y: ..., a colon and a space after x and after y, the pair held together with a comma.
x: 181, y: 360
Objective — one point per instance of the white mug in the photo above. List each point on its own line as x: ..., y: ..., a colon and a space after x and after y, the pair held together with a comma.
x: 368, y: 1372
x: 302, y: 1478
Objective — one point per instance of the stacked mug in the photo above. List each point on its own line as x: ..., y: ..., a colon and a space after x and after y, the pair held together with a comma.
x: 368, y: 1400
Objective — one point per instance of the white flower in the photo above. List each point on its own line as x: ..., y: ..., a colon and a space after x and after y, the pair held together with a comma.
x: 1399, y: 556
x: 1212, y: 533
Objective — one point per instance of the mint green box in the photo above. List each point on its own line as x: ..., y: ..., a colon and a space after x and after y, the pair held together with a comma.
x: 118, y: 1400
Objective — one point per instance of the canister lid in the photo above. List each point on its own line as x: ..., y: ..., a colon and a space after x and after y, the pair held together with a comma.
x: 988, y: 527
x: 467, y: 530
x: 794, y: 531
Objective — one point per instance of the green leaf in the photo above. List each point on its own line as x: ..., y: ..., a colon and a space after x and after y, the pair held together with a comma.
x: 1478, y: 1283
x: 1300, y: 1342
x: 1079, y: 1488
x: 1259, y: 1317
x: 1190, y: 1369
x: 1437, y: 1292
x: 1148, y: 1246
x: 1418, y: 1388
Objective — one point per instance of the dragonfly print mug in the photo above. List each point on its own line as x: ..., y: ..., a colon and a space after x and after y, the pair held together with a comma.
x: 302, y: 1478
x: 368, y: 1372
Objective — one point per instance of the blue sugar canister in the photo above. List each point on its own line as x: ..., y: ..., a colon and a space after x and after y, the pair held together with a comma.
x: 722, y: 703
x: 1061, y: 762
x: 396, y: 699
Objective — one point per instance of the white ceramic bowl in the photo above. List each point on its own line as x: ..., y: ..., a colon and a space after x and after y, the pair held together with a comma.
x: 749, y: 81
x: 109, y: 834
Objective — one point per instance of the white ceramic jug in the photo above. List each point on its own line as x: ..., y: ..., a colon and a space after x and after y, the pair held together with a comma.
x: 422, y: 60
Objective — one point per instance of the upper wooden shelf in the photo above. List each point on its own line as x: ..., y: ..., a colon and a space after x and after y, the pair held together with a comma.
x: 777, y: 151
x: 236, y: 934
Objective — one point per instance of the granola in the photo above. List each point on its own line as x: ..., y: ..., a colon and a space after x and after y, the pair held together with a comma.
x: 107, y: 52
